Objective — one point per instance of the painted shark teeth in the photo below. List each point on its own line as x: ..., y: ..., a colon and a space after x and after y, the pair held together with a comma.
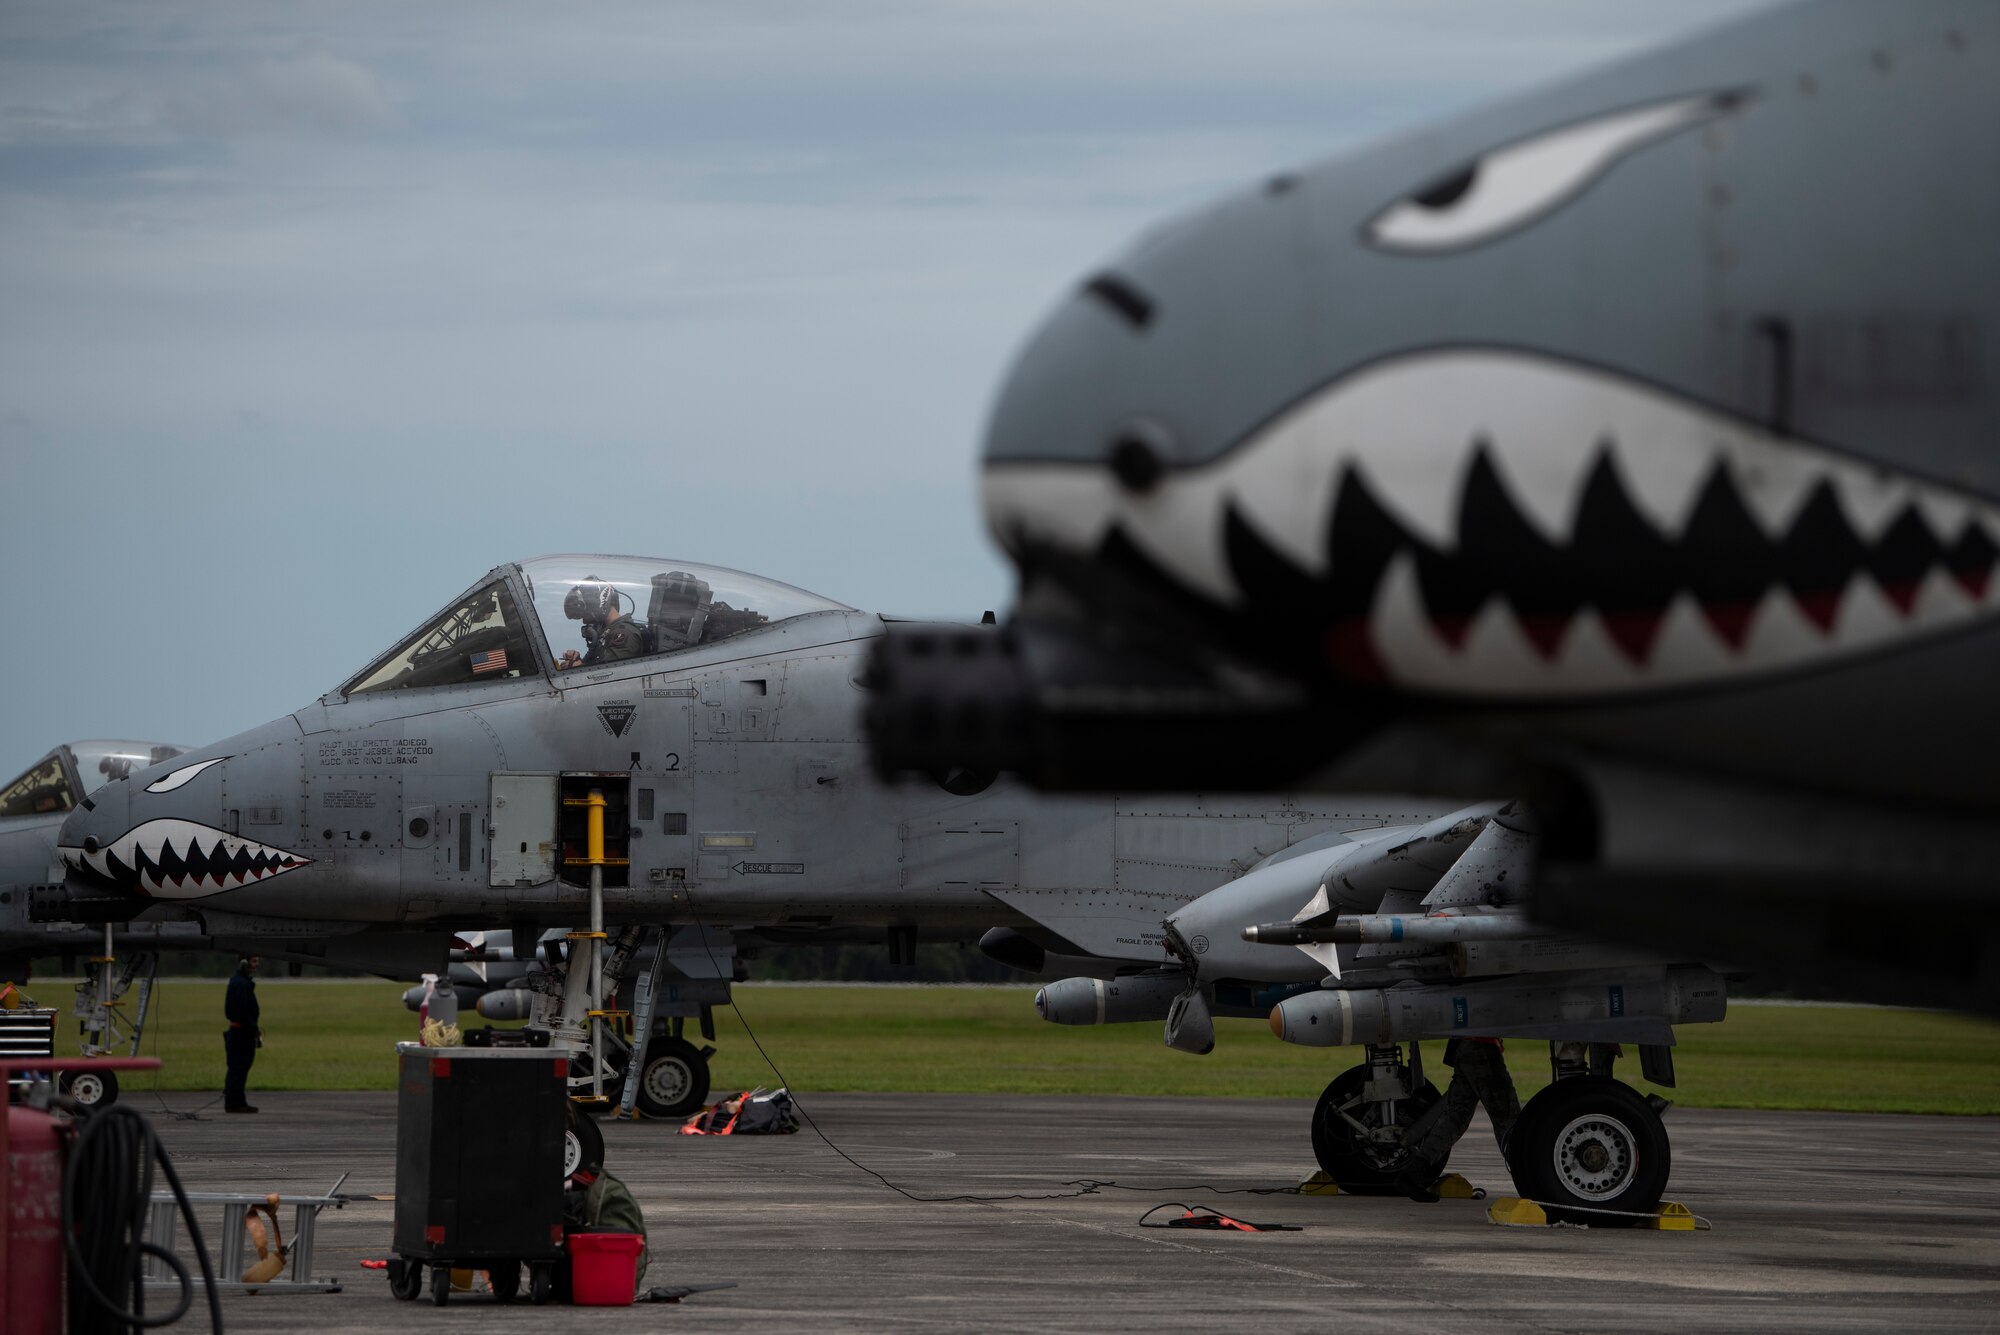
x: 1494, y: 522
x: 182, y: 859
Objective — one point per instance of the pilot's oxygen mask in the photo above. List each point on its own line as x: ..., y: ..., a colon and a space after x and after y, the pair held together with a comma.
x: 591, y: 602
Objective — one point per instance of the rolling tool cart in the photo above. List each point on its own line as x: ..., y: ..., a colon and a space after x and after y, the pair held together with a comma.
x: 479, y: 1167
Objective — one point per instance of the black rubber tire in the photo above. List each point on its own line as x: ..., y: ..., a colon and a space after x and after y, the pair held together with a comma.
x: 541, y: 1281
x: 406, y: 1279
x: 505, y: 1277
x: 93, y: 1089
x: 674, y: 1082
x: 1591, y: 1141
x: 1355, y: 1168
x: 440, y: 1285
x: 582, y: 1146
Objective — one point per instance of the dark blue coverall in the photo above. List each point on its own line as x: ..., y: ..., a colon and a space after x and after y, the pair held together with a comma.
x: 239, y: 1041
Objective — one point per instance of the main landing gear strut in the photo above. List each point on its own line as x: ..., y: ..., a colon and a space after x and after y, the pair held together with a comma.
x: 1590, y: 1148
x: 673, y: 1076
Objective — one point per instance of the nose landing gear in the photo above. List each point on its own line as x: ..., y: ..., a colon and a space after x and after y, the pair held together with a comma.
x: 1359, y: 1127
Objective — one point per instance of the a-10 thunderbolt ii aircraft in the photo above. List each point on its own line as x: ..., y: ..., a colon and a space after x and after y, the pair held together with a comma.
x: 112, y: 1003
x: 450, y: 783
x: 1629, y: 446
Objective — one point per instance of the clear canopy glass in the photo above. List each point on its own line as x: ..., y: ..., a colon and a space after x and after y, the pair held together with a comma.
x: 39, y: 791
x: 44, y: 788
x: 481, y: 637
x: 598, y: 609
x: 99, y: 760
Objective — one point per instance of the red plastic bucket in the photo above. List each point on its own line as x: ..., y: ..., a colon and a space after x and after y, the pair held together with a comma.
x: 603, y: 1267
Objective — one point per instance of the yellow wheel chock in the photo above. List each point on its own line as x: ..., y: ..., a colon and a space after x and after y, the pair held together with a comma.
x: 1670, y: 1217
x: 1451, y: 1187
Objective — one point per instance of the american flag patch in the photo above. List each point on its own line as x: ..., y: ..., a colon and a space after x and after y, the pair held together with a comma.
x: 493, y: 660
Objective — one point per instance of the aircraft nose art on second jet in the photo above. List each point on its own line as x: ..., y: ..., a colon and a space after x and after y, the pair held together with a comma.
x: 170, y: 831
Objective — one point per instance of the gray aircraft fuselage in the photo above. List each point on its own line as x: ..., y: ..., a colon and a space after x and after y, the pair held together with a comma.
x: 1629, y: 445
x: 739, y: 789
x: 33, y: 922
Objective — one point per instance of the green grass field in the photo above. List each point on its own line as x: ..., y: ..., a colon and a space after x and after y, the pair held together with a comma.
x: 337, y: 1035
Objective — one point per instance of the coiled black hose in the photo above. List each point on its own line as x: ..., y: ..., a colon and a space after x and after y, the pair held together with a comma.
x: 107, y: 1194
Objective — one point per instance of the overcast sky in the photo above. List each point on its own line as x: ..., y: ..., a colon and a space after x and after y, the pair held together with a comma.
x: 311, y: 313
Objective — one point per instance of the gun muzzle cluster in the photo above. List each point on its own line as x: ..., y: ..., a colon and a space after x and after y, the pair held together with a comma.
x: 1067, y: 709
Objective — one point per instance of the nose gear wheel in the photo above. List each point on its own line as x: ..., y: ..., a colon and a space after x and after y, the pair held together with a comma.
x: 1364, y: 1159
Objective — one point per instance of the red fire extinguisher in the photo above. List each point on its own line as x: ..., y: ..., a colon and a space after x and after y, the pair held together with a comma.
x: 31, y: 1283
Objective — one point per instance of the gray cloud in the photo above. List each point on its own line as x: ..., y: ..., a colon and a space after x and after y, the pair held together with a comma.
x: 316, y: 91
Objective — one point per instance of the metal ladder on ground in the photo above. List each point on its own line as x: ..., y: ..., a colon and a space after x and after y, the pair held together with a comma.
x: 163, y: 1228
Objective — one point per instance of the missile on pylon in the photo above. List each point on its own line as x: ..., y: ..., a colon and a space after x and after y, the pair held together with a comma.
x: 1397, y: 928
x: 1617, y: 1000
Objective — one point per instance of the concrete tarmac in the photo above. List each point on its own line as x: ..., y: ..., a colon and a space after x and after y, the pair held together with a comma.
x: 1822, y: 1222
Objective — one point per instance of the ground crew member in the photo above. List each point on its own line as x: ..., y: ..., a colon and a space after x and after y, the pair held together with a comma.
x: 615, y: 636
x: 1478, y: 1076
x: 242, y: 1039
x: 596, y: 1202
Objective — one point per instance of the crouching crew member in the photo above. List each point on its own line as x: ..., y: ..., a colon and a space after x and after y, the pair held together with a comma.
x: 1478, y: 1077
x: 596, y: 1202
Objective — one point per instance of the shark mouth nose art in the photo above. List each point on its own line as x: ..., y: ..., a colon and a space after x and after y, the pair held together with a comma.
x: 1499, y: 523
x: 180, y: 859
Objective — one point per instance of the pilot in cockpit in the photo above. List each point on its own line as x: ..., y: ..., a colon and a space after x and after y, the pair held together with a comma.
x: 608, y: 634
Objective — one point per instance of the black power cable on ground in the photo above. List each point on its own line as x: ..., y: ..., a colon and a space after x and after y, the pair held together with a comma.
x: 1083, y: 1186
x: 107, y: 1197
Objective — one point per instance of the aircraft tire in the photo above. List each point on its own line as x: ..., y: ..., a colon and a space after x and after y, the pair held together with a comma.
x: 1355, y: 1166
x: 582, y: 1145
x: 93, y: 1089
x: 674, y: 1082
x: 1594, y: 1143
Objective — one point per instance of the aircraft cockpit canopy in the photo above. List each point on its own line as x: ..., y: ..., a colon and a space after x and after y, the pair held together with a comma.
x: 43, y: 789
x: 482, y: 637
x: 45, y: 786
x: 592, y: 610
x: 601, y: 609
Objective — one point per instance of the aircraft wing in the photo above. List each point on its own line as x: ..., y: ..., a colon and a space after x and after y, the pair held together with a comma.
x: 1119, y: 925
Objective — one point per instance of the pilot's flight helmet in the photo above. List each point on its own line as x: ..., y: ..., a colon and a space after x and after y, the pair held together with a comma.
x: 590, y: 601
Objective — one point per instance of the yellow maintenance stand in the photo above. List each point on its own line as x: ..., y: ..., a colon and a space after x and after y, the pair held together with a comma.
x: 596, y: 1014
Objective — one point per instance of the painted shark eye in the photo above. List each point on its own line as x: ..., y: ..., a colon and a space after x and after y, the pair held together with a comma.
x: 181, y: 775
x: 1511, y: 187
